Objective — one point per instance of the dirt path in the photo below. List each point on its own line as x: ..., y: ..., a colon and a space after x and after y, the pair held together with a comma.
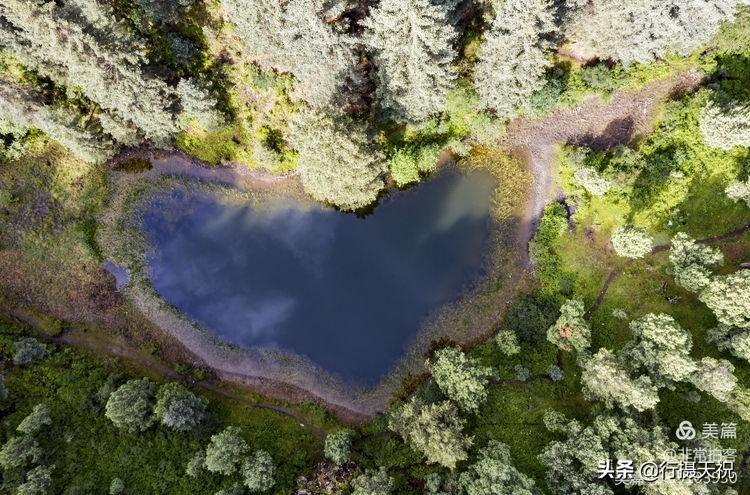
x: 594, y: 123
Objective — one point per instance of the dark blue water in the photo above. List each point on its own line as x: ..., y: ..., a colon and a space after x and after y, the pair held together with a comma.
x: 347, y: 292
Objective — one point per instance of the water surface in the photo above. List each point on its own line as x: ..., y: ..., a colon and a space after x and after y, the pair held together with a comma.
x: 347, y: 292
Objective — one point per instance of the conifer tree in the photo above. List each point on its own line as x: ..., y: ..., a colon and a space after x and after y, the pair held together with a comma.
x: 337, y: 162
x: 23, y: 106
x: 513, y: 59
x: 641, y: 30
x: 411, y: 41
x: 45, y: 37
x: 293, y: 36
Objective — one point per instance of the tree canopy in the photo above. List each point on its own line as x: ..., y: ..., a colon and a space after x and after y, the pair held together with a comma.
x: 728, y: 296
x: 631, y: 241
x: 131, y: 407
x: 605, y: 378
x: 460, y: 377
x: 433, y: 429
x: 642, y: 30
x: 571, y: 331
x: 514, y: 56
x: 178, y: 408
x: 226, y: 451
x: 411, y: 41
x: 337, y: 161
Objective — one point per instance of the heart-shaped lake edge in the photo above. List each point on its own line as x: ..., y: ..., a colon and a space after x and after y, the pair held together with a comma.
x: 465, y: 321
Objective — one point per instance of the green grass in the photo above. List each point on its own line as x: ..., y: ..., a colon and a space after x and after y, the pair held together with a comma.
x: 88, y: 451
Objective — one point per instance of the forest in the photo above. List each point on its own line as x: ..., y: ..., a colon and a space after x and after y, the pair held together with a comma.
x: 612, y: 319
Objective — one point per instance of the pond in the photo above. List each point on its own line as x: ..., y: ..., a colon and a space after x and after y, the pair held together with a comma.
x: 349, y: 293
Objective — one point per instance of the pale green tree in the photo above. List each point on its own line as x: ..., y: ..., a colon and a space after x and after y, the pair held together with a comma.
x: 196, y: 464
x: 641, y: 30
x: 45, y: 37
x: 739, y: 191
x: 24, y: 106
x: 178, y: 408
x: 605, y: 378
x: 27, y: 351
x: 295, y: 36
x: 225, y: 451
x: 691, y: 262
x: 728, y: 296
x: 338, y: 445
x: 632, y: 241
x: 461, y: 378
x: 337, y: 161
x: 38, y: 482
x: 592, y: 180
x: 131, y: 407
x: 507, y: 342
x: 732, y: 339
x: 725, y: 125
x: 258, y: 471
x: 661, y: 348
x: 572, y: 462
x: 37, y: 419
x: 514, y: 56
x: 570, y: 331
x: 198, y: 107
x: 19, y: 451
x: 433, y: 429
x: 116, y: 487
x: 413, y: 53
x: 716, y: 377
x: 373, y: 483
x: 494, y: 474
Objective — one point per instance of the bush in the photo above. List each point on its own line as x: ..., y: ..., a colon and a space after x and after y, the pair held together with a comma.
x: 337, y: 446
x: 28, y: 350
x: 739, y: 191
x: 529, y: 317
x: 547, y: 264
x: 116, y: 487
x: 38, y: 481
x: 409, y: 162
x: 196, y: 464
x: 373, y: 483
x: 522, y: 373
x: 507, y: 342
x: 40, y: 417
x: 594, y: 182
x: 555, y: 373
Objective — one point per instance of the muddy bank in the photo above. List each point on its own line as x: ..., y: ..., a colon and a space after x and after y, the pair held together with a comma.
x: 595, y: 123
x: 599, y: 124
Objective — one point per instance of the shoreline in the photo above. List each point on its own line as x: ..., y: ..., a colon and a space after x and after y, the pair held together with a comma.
x: 252, y: 364
x: 532, y: 142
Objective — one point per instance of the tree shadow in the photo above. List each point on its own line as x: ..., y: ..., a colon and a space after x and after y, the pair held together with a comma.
x: 619, y: 131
